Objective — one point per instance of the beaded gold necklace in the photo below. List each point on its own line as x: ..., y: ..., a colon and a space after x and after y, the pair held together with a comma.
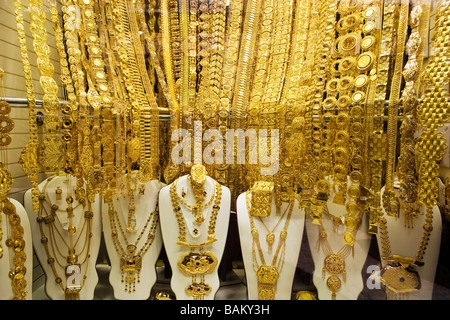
x: 198, y: 261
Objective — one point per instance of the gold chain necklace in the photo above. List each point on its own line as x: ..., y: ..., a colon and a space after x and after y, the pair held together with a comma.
x: 419, y: 21
x: 267, y: 275
x: 130, y: 257
x: 198, y: 261
x: 389, y: 198
x: 71, y: 265
x: 334, y: 262
x: 28, y: 160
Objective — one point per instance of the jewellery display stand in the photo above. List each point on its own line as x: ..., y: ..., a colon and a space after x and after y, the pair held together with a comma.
x: 170, y: 230
x: 292, y: 250
x: 6, y: 292
x: 353, y: 284
x: 90, y: 277
x: 405, y: 241
x: 145, y: 201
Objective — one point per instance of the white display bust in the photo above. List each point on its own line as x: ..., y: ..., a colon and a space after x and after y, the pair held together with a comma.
x: 292, y: 249
x: 405, y: 242
x: 170, y: 232
x: 145, y: 199
x: 353, y: 284
x: 88, y: 268
x: 6, y: 292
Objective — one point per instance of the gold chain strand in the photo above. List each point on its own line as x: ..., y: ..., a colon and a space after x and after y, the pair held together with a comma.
x: 433, y: 111
x: 244, y: 69
x: 375, y: 114
x: 16, y: 245
x: 79, y: 82
x: 227, y: 83
x: 314, y: 96
x: 260, y: 76
x: 68, y: 120
x: 28, y: 157
x: 419, y: 21
x: 14, y: 241
x: 390, y: 200
x: 149, y: 115
x: 293, y: 96
x: 50, y: 155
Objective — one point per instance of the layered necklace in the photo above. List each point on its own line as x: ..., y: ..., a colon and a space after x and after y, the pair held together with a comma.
x: 334, y: 262
x: 65, y: 250
x: 197, y: 262
x: 14, y: 241
x: 130, y: 256
x: 268, y: 274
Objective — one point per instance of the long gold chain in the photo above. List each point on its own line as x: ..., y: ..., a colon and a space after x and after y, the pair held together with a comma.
x: 28, y: 159
x: 267, y: 275
x: 390, y: 201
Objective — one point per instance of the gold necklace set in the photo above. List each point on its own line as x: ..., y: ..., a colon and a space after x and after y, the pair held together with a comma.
x: 197, y: 262
x: 268, y: 274
x: 66, y: 249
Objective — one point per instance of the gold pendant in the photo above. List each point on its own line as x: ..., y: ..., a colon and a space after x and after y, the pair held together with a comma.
x: 267, y: 279
x: 399, y: 281
x: 198, y: 290
x: 131, y: 266
x: 334, y: 265
x: 197, y: 263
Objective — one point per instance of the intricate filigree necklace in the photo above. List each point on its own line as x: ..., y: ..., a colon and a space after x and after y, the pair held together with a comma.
x: 267, y: 274
x: 197, y: 262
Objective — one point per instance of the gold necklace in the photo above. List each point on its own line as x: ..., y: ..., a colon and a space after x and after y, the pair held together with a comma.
x: 28, y: 160
x: 130, y: 257
x: 198, y: 261
x: 71, y: 263
x: 197, y: 208
x: 407, y: 175
x: 270, y: 237
x: 267, y: 275
x: 334, y: 262
x: 389, y: 198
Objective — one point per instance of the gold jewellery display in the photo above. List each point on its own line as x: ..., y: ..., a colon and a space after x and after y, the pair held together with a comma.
x: 197, y: 262
x: 282, y: 100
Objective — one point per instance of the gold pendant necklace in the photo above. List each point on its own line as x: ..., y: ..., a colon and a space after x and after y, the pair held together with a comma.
x: 130, y: 256
x: 267, y: 274
x: 197, y: 262
x: 334, y: 262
